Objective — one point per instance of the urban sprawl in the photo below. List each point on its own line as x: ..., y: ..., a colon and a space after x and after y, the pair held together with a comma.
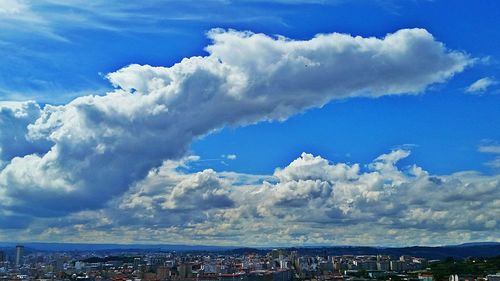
x: 275, y: 265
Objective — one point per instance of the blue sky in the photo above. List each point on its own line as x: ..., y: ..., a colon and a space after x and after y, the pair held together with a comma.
x: 434, y: 105
x: 445, y: 124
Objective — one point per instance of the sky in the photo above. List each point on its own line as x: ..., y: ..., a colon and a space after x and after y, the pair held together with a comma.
x: 250, y: 123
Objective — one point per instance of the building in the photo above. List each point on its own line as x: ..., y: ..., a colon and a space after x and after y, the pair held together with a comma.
x: 425, y: 277
x: 137, y: 263
x: 367, y: 265
x: 326, y: 267
x: 275, y: 253
x: 383, y: 265
x: 405, y: 258
x: 19, y: 255
x: 162, y: 272
x: 283, y: 275
x: 462, y: 277
x: 185, y: 270
x: 398, y: 266
x: 79, y: 265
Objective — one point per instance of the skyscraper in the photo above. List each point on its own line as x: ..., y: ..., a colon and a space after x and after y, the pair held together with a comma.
x: 19, y: 255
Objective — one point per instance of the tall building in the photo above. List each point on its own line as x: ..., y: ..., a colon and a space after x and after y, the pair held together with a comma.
x: 137, y: 263
x: 275, y: 254
x: 383, y: 265
x: 185, y: 270
x: 405, y: 258
x: 2, y: 256
x: 19, y: 255
x: 398, y: 266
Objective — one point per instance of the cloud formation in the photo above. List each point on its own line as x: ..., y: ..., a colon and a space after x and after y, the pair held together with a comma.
x: 50, y: 18
x: 111, y: 162
x: 309, y: 201
x: 9, y: 7
x: 481, y: 85
x: 316, y: 201
x: 14, y: 120
x: 103, y: 144
x: 231, y: 157
x: 494, y: 149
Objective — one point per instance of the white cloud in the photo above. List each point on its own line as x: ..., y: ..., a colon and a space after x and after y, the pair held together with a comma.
x: 101, y: 145
x: 489, y: 148
x: 308, y: 167
x: 12, y: 7
x: 14, y: 120
x: 481, y: 85
x: 495, y: 163
x: 231, y: 156
x: 310, y: 201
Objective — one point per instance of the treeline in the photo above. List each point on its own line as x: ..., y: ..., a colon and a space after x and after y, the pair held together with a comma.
x: 474, y: 266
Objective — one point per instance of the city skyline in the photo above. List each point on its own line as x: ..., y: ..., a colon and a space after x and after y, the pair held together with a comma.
x: 465, y: 262
x: 253, y: 123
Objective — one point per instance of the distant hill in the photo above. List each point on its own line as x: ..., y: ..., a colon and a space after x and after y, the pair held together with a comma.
x: 475, y: 244
x: 442, y: 252
x: 482, y: 249
x: 39, y: 246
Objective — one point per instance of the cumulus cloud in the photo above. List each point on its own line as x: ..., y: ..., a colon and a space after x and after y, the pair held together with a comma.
x: 309, y: 201
x: 14, y: 120
x: 99, y: 146
x: 481, y: 85
x: 311, y: 195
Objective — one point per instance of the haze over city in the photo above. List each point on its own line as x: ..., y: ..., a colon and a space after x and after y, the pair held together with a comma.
x: 250, y: 123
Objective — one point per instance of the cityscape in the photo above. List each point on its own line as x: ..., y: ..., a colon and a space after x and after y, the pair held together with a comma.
x: 230, y: 265
x: 249, y: 140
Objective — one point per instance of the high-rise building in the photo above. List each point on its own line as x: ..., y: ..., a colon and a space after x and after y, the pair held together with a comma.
x: 19, y: 255
x: 398, y: 266
x: 383, y: 265
x: 405, y: 258
x: 185, y: 270
x: 137, y: 263
x: 275, y: 254
x: 2, y: 256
